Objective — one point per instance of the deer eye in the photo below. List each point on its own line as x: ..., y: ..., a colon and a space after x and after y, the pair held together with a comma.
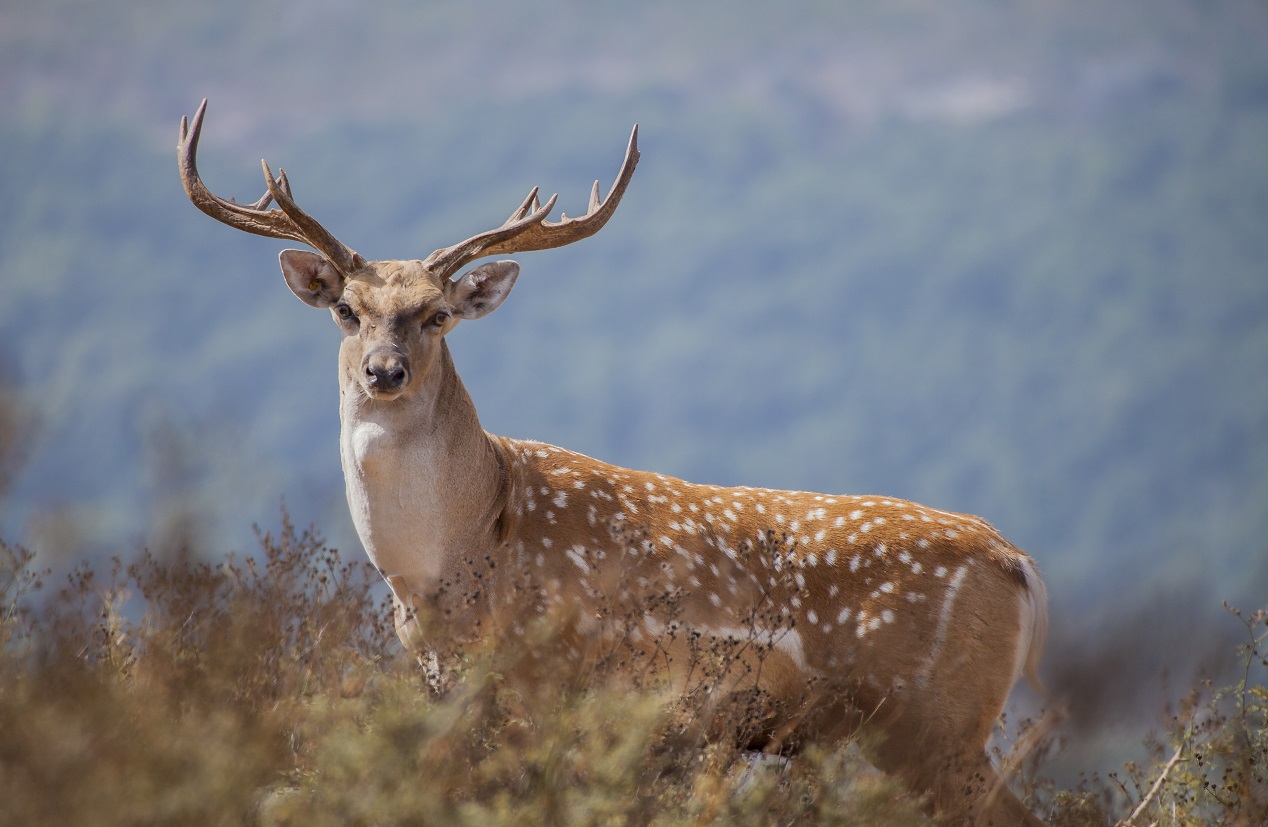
x: 345, y: 314
x: 439, y: 319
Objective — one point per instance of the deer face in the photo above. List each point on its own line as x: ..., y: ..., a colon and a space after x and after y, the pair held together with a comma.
x: 393, y: 315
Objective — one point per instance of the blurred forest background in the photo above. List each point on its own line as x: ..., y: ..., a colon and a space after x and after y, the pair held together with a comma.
x: 1003, y: 258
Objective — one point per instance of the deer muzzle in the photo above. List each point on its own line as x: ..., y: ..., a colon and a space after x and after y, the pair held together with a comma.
x: 385, y: 372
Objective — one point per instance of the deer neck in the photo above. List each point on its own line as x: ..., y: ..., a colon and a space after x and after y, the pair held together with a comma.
x: 425, y: 483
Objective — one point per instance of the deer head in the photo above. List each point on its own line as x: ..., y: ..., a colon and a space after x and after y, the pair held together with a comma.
x: 394, y: 313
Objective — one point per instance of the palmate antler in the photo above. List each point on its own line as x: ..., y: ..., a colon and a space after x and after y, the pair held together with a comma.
x: 289, y: 222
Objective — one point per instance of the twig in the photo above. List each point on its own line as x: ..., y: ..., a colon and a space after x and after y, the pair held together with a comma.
x: 1153, y: 791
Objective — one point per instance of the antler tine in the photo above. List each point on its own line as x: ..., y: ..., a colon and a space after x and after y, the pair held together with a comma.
x: 527, y: 228
x: 262, y: 204
x: 344, y: 258
x: 530, y: 205
x: 290, y: 222
x: 248, y: 218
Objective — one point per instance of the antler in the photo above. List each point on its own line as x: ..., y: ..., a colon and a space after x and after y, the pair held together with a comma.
x: 289, y: 222
x: 527, y: 228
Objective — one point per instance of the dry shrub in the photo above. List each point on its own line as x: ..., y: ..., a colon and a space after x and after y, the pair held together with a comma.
x: 1209, y: 765
x: 272, y: 690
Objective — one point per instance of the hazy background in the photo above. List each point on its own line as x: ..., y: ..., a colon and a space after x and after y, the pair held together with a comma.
x: 1004, y: 258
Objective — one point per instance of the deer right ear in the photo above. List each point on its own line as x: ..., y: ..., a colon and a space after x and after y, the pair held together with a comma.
x: 313, y: 279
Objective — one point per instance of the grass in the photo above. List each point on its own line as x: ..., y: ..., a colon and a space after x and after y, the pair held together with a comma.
x: 272, y: 690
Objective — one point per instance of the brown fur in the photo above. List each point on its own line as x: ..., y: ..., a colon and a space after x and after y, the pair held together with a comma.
x: 821, y: 615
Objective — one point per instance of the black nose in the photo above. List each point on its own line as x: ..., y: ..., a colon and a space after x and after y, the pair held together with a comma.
x: 385, y: 371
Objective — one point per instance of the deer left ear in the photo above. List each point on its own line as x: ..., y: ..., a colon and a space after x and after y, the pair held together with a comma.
x: 313, y: 279
x: 479, y: 292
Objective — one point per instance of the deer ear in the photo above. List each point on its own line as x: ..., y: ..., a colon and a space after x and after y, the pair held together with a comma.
x: 479, y: 292
x: 313, y: 279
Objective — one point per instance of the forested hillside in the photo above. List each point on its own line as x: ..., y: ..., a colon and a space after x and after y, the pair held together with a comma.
x: 1001, y: 258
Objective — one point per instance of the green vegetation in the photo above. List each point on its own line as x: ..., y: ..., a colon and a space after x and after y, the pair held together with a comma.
x: 270, y: 690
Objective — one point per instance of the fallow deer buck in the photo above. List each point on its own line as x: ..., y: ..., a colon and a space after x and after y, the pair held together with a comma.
x: 851, y: 610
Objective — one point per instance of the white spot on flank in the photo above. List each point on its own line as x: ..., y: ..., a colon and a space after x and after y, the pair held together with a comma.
x: 561, y: 499
x: 790, y: 642
x: 812, y: 616
x: 944, y: 622
x: 575, y: 555
x: 843, y: 615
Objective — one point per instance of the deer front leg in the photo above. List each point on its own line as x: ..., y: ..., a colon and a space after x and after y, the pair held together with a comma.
x: 408, y: 613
